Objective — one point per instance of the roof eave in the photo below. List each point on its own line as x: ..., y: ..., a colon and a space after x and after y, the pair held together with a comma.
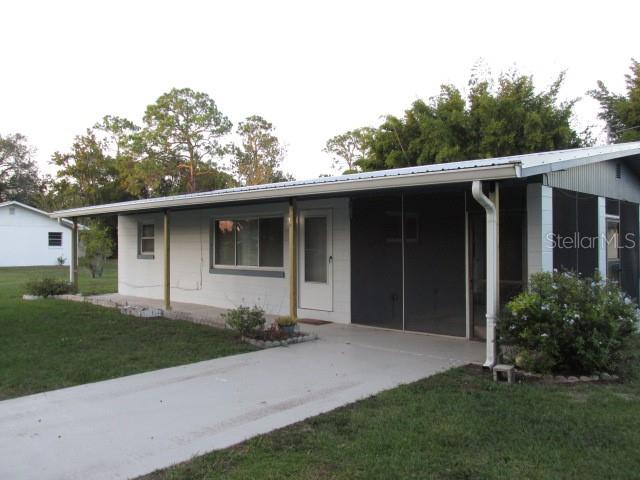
x: 577, y: 162
x: 494, y: 172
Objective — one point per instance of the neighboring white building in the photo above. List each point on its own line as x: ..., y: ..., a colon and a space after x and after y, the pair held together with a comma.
x: 30, y: 237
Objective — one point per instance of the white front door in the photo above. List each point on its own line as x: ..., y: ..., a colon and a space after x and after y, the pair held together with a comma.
x: 316, y: 260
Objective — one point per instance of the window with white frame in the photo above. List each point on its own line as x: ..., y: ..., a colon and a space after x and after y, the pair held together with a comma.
x: 248, y: 242
x: 55, y: 239
x: 146, y: 240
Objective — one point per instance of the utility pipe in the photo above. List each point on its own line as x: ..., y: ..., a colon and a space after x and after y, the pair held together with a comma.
x: 492, y: 269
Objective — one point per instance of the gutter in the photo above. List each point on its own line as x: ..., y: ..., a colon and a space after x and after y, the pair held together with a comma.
x: 492, y: 270
x: 328, y: 187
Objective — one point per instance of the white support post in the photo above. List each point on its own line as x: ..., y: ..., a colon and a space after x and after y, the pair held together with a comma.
x: 539, y: 228
x: 602, y: 237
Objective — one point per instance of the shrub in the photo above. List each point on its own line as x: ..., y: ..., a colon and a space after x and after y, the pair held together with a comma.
x: 46, y: 287
x: 246, y: 321
x: 566, y: 323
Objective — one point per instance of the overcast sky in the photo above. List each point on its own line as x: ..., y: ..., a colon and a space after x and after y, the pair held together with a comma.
x: 313, y: 70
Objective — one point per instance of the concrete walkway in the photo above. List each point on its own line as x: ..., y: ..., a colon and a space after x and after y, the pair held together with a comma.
x: 133, y: 425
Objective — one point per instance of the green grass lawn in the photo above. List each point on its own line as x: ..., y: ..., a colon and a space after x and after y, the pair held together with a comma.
x: 457, y: 425
x: 49, y: 344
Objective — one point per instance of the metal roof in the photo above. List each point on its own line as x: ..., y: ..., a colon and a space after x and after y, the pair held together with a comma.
x: 453, y: 172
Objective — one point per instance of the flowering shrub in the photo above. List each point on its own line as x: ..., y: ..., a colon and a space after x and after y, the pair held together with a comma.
x: 566, y: 323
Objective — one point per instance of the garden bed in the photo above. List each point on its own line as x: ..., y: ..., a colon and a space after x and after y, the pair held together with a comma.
x: 298, y: 337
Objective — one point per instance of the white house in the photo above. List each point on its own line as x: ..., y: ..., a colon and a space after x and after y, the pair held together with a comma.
x: 435, y: 248
x: 30, y: 237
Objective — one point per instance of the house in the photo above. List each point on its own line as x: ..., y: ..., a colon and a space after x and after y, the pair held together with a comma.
x: 434, y: 249
x: 30, y: 237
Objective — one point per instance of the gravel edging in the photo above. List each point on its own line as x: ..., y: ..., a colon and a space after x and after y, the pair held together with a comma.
x: 525, y: 376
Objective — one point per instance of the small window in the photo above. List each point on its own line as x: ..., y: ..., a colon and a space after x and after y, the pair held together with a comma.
x: 393, y: 227
x: 55, y: 239
x: 618, y: 170
x: 251, y: 242
x: 12, y: 210
x: 146, y: 245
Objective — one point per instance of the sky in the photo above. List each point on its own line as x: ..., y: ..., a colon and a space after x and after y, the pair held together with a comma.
x: 313, y: 69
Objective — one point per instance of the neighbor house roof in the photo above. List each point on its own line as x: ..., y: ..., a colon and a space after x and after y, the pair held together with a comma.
x: 516, y: 166
x: 15, y: 203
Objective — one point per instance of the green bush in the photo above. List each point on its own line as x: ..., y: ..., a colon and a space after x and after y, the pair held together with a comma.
x: 246, y: 321
x: 569, y: 324
x: 46, y: 287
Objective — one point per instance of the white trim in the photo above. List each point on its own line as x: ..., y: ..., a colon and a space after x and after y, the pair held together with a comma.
x: 602, y: 237
x: 539, y: 228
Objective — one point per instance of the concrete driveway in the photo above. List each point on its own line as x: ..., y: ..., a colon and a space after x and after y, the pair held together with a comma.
x: 133, y: 425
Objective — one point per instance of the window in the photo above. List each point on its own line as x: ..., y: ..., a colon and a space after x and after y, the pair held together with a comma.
x: 146, y: 243
x: 393, y: 227
x: 315, y: 249
x: 251, y: 242
x: 12, y: 210
x: 55, y: 239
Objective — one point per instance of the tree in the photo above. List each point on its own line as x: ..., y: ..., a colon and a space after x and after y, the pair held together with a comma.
x: 87, y: 175
x: 19, y: 178
x: 260, y: 155
x: 181, y: 137
x: 98, y: 246
x: 621, y: 113
x: 506, y: 117
x: 349, y: 149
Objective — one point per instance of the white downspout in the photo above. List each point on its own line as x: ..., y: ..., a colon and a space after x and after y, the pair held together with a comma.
x: 492, y: 269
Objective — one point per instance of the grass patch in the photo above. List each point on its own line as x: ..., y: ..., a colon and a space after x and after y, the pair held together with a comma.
x: 457, y: 425
x: 49, y: 344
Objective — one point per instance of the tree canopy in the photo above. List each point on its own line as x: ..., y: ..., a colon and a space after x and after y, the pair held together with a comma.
x: 621, y: 113
x: 181, y: 137
x: 348, y: 150
x: 19, y: 178
x: 258, y: 157
x: 496, y: 118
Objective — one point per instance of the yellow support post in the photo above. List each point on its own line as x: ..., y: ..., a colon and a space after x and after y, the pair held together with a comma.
x: 293, y: 261
x: 167, y: 262
x: 73, y: 264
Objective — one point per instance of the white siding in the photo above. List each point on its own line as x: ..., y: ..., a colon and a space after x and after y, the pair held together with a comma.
x: 539, y: 228
x: 24, y: 238
x: 191, y: 281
